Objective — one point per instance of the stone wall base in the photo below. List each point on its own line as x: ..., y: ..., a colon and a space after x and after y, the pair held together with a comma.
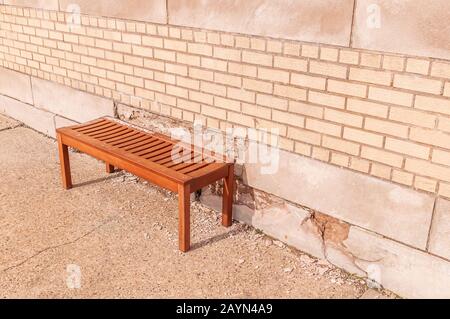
x: 395, y: 236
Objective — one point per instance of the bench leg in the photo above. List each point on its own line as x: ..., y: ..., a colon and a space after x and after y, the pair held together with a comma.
x: 65, y: 164
x: 227, y: 204
x: 109, y: 168
x: 184, y: 206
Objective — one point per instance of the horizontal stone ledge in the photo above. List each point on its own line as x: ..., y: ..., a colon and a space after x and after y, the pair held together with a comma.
x: 39, y: 120
x: 440, y: 231
x: 39, y: 4
x: 385, y: 208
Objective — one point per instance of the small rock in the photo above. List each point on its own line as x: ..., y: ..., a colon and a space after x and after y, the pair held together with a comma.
x: 288, y: 269
x: 241, y: 261
x: 268, y: 242
x: 279, y: 244
x: 146, y: 236
x: 306, y: 259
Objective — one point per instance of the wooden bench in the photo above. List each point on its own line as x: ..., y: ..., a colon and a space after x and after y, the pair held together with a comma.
x: 178, y: 167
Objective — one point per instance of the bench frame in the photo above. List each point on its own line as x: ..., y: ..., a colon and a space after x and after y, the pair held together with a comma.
x: 183, y: 186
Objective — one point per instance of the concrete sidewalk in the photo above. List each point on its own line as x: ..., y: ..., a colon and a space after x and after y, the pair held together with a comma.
x: 121, y: 233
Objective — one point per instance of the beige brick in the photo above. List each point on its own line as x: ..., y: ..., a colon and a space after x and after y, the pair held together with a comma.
x: 304, y: 136
x: 189, y: 105
x: 323, y: 127
x: 241, y: 95
x: 291, y: 63
x: 290, y: 92
x: 431, y: 137
x: 201, y: 97
x: 425, y: 184
x: 390, y: 96
x: 326, y: 99
x: 363, y: 137
x: 407, y: 148
x: 386, y: 127
x: 321, y: 154
x: 340, y: 145
x: 292, y: 48
x: 371, y: 60
x: 440, y: 69
x: 428, y: 169
x: 177, y: 91
x: 381, y: 171
x: 306, y: 109
x: 416, y: 83
x: 228, y: 79
x: 310, y: 51
x: 273, y: 75
x: 214, y: 64
x: 154, y: 64
x: 257, y: 58
x: 155, y: 86
x: 165, y: 77
x: 213, y: 38
x: 188, y: 59
x: 131, y: 38
x: 340, y: 160
x: 394, y: 63
x: 188, y: 83
x: 241, y: 119
x: 444, y: 189
x: 152, y: 41
x: 164, y: 55
x: 417, y: 66
x: 228, y: 104
x: 347, y: 88
x: 242, y: 42
x: 349, y: 57
x: 381, y: 156
x: 258, y: 86
x: 343, y: 118
x: 201, y: 74
x: 242, y: 69
x: 288, y: 118
x: 257, y: 111
x: 175, y: 45
x: 227, y: 54
x: 441, y: 157
x: 177, y: 69
x: 302, y: 148
x: 402, y: 177
x: 212, y: 88
x: 274, y: 46
x: 142, y: 51
x: 359, y: 165
x: 328, y: 69
x: 369, y: 108
x: 433, y: 104
x: 258, y: 44
x: 227, y: 39
x: 201, y: 49
x: 370, y: 76
x: 444, y: 124
x: 312, y: 82
x: 271, y: 125
x: 412, y: 117
x: 329, y: 54
x: 271, y: 101
x: 214, y: 112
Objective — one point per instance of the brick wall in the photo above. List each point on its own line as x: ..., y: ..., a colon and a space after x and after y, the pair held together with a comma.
x: 381, y: 114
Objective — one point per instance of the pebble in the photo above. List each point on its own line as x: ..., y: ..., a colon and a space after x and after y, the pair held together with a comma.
x: 288, y: 270
x: 241, y: 261
x: 279, y: 244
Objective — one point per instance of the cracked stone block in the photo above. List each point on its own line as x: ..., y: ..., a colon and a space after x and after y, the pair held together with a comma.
x: 283, y: 221
x: 406, y: 271
x: 70, y: 103
x: 37, y: 119
x: 16, y: 85
x: 379, y: 22
x: 379, y: 206
x: 41, y: 4
x: 324, y: 21
x: 440, y: 231
x: 142, y: 10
